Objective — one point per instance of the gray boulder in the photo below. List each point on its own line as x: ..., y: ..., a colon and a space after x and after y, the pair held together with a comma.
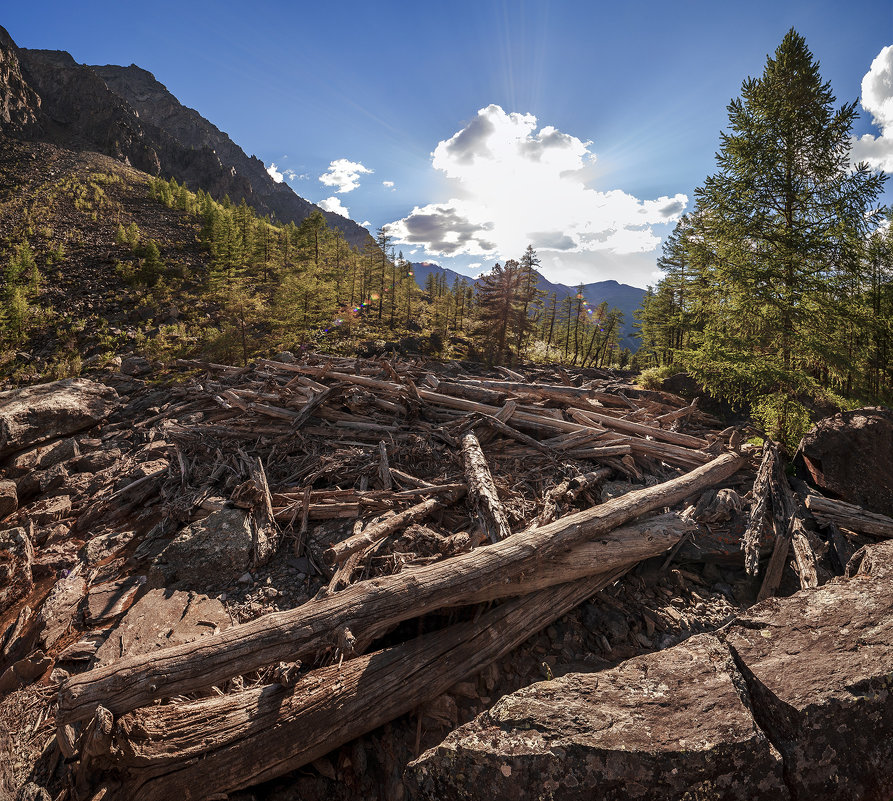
x: 793, y: 701
x: 209, y: 553
x: 48, y: 411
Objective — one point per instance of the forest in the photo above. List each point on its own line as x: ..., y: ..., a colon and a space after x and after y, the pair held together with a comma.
x: 778, y: 286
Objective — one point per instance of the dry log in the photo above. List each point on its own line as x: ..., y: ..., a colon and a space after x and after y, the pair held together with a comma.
x: 849, y: 516
x: 217, y: 745
x: 486, y: 507
x: 630, y: 427
x: 264, y: 531
x: 378, y: 531
x: 760, y: 506
x: 384, y: 468
x: 370, y: 607
x: 503, y: 428
x: 566, y: 492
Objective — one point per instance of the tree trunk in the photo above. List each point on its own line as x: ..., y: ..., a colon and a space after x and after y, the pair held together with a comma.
x: 368, y: 608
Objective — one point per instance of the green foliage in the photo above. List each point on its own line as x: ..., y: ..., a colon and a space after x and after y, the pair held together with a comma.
x: 653, y: 377
x: 776, y: 292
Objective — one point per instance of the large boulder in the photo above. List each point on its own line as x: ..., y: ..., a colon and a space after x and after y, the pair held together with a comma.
x: 207, y: 554
x: 47, y: 411
x: 850, y: 456
x: 799, y: 687
x: 819, y: 667
x: 160, y: 619
x: 661, y: 726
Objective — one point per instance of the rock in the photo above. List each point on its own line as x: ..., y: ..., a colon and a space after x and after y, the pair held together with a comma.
x: 49, y: 510
x: 111, y: 599
x: 286, y: 357
x: 57, y: 556
x: 850, y: 456
x: 819, y: 667
x: 142, y: 470
x: 135, y: 366
x: 59, y: 609
x: 209, y: 553
x: 16, y: 556
x: 44, y: 456
x: 668, y: 725
x: 104, y: 546
x: 800, y: 683
x: 9, y: 499
x: 98, y: 460
x: 48, y: 411
x: 24, y: 671
x: 162, y: 618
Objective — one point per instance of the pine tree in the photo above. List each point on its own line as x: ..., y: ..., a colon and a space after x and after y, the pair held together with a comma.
x: 784, y: 210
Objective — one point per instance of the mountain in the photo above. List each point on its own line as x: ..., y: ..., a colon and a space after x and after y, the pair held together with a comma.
x: 123, y: 112
x: 621, y: 296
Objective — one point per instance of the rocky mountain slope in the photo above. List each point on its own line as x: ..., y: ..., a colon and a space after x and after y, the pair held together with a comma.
x: 125, y: 113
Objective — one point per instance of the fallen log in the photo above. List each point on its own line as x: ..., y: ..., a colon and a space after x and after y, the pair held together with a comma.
x: 370, y: 607
x: 849, y: 516
x: 217, y: 745
x: 486, y: 507
x: 378, y: 531
x: 630, y: 427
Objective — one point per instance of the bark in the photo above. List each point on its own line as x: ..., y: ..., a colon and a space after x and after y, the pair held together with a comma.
x: 377, y: 531
x: 849, y: 516
x: 487, y: 509
x: 370, y: 607
x: 760, y: 507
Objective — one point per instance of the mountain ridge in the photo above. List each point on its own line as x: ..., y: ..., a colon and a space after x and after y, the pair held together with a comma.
x: 125, y: 113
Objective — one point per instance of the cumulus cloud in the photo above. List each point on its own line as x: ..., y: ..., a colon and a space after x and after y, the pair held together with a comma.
x: 877, y: 100
x: 388, y: 184
x: 516, y: 184
x: 274, y: 173
x: 344, y: 175
x: 333, y: 204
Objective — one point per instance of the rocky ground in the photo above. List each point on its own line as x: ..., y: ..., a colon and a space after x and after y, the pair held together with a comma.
x: 129, y: 522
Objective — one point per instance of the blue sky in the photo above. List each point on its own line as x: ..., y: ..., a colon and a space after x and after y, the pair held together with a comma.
x: 584, y: 126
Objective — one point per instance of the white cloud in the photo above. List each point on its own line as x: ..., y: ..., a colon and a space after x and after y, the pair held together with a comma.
x: 877, y: 100
x: 334, y: 204
x: 516, y: 185
x: 274, y: 173
x: 344, y: 174
x: 365, y: 223
x: 388, y: 184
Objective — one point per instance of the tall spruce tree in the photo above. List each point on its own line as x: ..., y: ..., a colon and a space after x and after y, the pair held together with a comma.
x: 784, y: 211
x: 778, y: 233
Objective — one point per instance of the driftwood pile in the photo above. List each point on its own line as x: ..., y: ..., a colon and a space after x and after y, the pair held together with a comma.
x: 410, y: 489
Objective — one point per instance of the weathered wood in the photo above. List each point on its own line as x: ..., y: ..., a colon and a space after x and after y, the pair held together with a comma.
x: 378, y: 531
x: 629, y: 427
x: 217, y: 745
x: 760, y: 506
x: 627, y: 545
x: 486, y: 507
x: 776, y: 565
x: 370, y: 606
x: 849, y: 516
x: 566, y: 492
x: 384, y: 468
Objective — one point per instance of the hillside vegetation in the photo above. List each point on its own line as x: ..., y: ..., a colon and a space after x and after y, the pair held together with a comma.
x: 102, y: 259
